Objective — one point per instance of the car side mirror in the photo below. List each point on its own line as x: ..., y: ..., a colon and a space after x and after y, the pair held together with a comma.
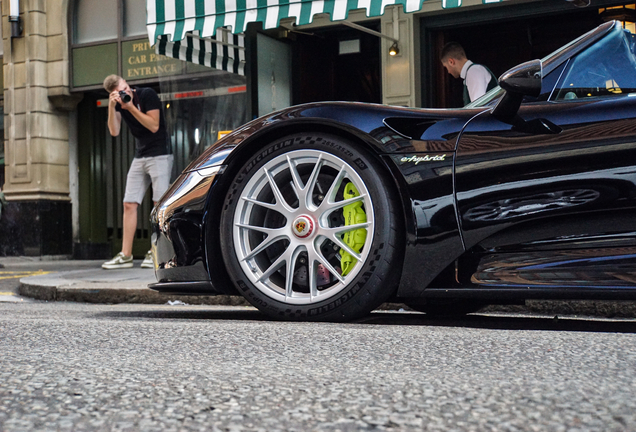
x: 522, y: 80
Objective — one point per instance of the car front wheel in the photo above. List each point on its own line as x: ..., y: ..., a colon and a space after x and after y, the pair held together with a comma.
x: 310, y: 231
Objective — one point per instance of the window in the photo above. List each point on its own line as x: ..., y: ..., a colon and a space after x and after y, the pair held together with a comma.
x: 134, y: 18
x: 95, y: 20
x: 105, y: 20
x: 607, y: 68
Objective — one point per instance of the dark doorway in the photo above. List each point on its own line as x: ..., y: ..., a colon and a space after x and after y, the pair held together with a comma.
x: 103, y: 163
x: 504, y: 44
x: 321, y: 73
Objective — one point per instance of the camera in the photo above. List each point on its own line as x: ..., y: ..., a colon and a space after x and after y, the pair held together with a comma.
x: 125, y: 97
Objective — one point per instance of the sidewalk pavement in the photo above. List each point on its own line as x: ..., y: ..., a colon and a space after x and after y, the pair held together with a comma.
x: 85, y: 281
x: 63, y: 281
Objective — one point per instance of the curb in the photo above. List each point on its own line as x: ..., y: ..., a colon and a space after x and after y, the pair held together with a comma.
x: 123, y: 295
x: 93, y: 286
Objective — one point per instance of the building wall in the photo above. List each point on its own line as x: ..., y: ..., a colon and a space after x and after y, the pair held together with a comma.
x: 37, y: 106
x: 36, y: 67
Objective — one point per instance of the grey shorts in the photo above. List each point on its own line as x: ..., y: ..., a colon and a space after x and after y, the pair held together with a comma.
x: 144, y: 171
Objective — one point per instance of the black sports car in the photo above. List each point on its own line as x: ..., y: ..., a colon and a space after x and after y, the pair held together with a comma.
x: 324, y: 211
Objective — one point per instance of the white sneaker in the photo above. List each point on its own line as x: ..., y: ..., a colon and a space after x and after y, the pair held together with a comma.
x: 120, y: 261
x: 148, y: 262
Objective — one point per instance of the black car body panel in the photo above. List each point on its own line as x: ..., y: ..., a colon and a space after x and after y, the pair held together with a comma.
x: 540, y: 208
x: 574, y: 191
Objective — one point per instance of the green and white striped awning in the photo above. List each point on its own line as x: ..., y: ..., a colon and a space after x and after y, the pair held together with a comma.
x: 223, y: 51
x: 176, y: 18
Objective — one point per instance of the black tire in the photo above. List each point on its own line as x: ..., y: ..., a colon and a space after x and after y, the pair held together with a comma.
x: 315, y: 288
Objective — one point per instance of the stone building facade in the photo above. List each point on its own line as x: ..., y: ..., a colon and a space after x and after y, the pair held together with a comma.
x: 38, y: 126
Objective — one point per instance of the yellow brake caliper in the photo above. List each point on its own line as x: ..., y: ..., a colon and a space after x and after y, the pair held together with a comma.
x: 353, y: 214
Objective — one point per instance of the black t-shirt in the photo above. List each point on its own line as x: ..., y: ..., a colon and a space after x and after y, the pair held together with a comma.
x: 147, y: 144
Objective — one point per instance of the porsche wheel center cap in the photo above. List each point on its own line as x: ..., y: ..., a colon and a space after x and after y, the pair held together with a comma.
x: 303, y: 226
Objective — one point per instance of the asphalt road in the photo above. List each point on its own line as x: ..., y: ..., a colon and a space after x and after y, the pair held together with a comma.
x: 69, y: 367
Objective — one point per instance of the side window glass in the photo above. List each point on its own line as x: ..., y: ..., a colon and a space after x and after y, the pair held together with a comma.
x: 607, y: 68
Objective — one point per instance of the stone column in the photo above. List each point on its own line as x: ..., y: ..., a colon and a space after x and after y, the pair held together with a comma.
x: 37, y: 220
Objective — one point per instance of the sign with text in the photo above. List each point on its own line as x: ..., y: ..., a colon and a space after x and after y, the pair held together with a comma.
x: 139, y: 61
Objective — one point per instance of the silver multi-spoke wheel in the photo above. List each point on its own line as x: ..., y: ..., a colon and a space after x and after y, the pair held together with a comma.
x: 311, y: 229
x: 290, y: 227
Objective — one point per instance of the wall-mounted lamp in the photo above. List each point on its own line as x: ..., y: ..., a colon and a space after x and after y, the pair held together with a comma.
x: 394, y: 50
x: 14, y: 18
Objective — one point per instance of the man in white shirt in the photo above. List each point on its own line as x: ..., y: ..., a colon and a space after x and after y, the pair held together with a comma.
x: 477, y: 78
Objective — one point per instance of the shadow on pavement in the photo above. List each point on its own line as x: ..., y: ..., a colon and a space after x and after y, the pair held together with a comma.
x: 230, y: 314
x: 493, y: 322
x: 504, y: 322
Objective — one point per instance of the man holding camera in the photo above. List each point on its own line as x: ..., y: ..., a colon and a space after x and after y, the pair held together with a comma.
x: 142, y: 111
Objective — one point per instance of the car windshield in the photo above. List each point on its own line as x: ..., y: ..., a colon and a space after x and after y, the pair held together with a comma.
x: 606, y: 68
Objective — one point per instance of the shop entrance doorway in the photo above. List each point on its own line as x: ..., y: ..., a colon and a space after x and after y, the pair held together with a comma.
x: 339, y: 63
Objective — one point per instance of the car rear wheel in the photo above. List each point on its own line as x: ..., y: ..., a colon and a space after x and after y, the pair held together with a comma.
x: 309, y: 230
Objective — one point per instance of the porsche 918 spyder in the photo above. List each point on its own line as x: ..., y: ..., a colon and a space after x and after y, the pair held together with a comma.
x: 324, y: 211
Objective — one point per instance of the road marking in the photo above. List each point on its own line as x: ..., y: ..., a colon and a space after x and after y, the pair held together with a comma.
x: 11, y: 298
x: 21, y: 274
x: 7, y: 294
